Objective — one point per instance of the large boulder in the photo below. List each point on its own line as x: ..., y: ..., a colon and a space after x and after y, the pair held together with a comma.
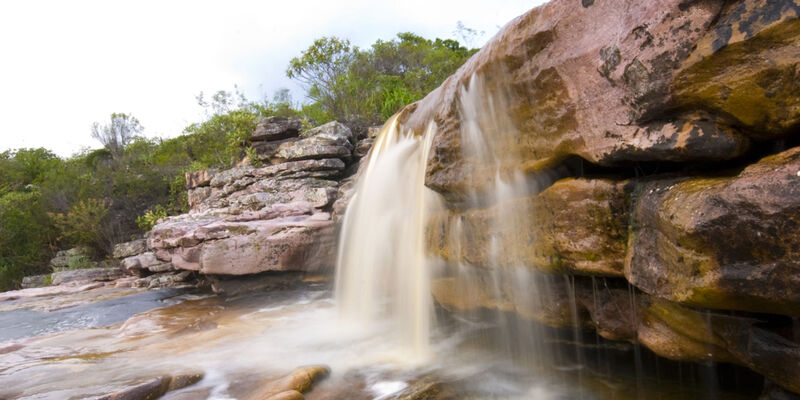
x: 614, y: 83
x: 277, y: 128
x: 130, y: 249
x: 722, y: 242
x: 316, y: 147
x: 276, y: 245
x: 331, y: 130
x: 281, y: 237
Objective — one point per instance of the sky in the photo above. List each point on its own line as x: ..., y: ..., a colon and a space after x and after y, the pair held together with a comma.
x: 67, y: 64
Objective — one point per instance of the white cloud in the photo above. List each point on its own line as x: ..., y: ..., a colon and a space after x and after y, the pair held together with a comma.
x: 67, y: 64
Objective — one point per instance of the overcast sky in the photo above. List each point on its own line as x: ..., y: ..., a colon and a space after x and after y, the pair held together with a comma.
x: 66, y: 64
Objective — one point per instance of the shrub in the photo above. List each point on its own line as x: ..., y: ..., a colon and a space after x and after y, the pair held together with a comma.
x: 147, y: 221
x: 83, y: 224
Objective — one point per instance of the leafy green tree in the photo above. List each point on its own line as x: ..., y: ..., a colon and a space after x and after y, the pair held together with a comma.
x: 322, y: 69
x: 368, y: 86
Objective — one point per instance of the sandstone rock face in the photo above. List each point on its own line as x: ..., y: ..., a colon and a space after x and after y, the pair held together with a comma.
x: 723, y: 242
x: 670, y: 330
x: 617, y: 83
x: 195, y: 179
x: 130, y: 249
x: 670, y: 104
x: 145, y: 261
x: 277, y: 128
x: 289, y: 238
x: 332, y: 140
x: 83, y: 276
x: 575, y: 225
x: 746, y: 68
x: 248, y: 220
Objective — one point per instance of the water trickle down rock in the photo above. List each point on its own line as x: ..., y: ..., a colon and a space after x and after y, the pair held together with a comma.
x: 618, y: 83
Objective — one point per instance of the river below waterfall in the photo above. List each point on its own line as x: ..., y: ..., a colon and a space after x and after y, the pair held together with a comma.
x: 238, y: 343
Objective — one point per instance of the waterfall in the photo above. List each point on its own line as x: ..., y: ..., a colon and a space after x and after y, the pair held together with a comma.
x: 382, y: 273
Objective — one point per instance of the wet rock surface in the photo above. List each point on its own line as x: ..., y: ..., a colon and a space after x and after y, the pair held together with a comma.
x: 575, y: 225
x: 616, y: 313
x: 292, y: 386
x: 722, y: 242
x: 686, y: 114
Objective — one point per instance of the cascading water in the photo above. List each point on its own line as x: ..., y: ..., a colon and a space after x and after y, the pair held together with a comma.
x: 382, y: 272
x: 502, y: 309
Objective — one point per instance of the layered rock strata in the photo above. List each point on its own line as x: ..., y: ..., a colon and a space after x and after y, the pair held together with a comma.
x: 618, y: 82
x: 706, y: 90
x: 251, y: 219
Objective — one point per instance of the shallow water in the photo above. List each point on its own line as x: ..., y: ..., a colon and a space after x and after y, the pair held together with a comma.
x: 32, y: 318
x: 240, y: 343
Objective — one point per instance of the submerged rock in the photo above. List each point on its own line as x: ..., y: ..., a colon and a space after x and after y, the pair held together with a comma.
x: 154, y: 388
x: 297, y: 382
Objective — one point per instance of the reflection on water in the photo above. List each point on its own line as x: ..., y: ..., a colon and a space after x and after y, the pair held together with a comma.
x: 239, y: 343
x: 24, y: 322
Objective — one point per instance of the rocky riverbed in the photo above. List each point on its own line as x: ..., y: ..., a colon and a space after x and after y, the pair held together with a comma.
x: 288, y: 343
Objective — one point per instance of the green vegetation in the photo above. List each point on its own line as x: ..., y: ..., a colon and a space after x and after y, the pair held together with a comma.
x: 101, y: 197
x: 367, y: 86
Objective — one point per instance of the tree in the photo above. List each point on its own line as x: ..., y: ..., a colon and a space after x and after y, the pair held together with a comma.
x: 368, y: 86
x: 115, y: 135
x: 322, y: 68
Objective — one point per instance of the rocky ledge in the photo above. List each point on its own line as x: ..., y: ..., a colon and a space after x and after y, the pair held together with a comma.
x: 271, y: 214
x: 664, y: 139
